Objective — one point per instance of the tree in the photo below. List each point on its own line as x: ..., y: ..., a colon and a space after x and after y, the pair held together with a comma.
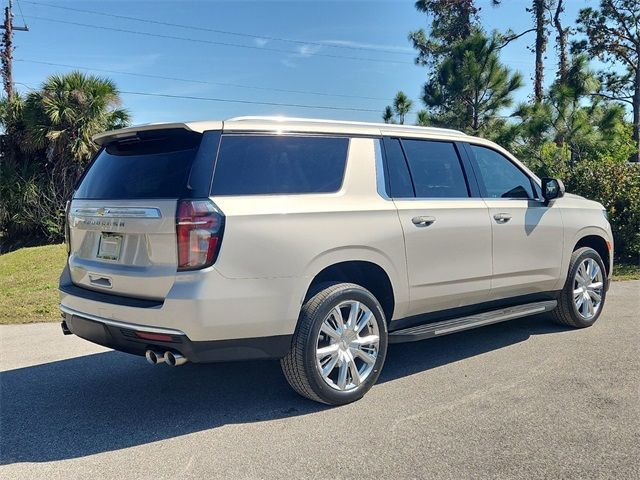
x: 538, y: 10
x: 451, y: 21
x: 68, y: 110
x: 47, y: 144
x: 562, y: 37
x: 397, y: 113
x: 471, y: 86
x: 565, y: 129
x: 387, y: 115
x: 422, y: 118
x: 613, y: 36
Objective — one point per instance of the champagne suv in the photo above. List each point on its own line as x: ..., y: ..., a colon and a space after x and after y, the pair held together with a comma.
x: 318, y: 243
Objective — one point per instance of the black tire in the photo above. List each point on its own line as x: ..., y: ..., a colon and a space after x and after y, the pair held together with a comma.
x: 566, y: 312
x: 299, y: 365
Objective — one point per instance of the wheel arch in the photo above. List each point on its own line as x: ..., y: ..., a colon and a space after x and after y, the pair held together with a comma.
x: 368, y: 269
x: 600, y: 244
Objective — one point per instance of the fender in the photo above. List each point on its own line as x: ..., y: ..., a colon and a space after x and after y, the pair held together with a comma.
x: 397, y: 274
x: 572, y: 241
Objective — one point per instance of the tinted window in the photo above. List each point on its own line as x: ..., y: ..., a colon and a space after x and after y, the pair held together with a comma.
x: 435, y: 169
x: 501, y: 178
x: 279, y: 164
x: 397, y: 171
x: 151, y: 165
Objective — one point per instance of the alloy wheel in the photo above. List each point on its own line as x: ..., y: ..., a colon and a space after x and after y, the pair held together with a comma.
x: 347, y: 345
x: 588, y: 288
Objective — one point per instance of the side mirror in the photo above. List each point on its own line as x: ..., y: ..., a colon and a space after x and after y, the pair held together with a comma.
x: 552, y: 188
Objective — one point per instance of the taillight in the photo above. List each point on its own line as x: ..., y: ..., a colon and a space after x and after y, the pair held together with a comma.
x: 199, y: 226
x: 67, y: 227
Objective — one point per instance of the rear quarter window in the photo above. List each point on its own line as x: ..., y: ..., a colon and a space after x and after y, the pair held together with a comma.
x: 279, y: 164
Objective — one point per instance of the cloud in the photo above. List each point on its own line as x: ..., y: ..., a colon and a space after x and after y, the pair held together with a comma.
x: 305, y: 51
x: 302, y: 51
x: 261, y: 42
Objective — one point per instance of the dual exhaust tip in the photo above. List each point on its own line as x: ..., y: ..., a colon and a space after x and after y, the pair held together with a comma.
x: 170, y: 358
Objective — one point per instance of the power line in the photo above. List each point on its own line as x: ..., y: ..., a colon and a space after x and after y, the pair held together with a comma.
x: 213, y: 42
x: 251, y: 102
x: 206, y: 82
x: 232, y: 100
x: 223, y: 32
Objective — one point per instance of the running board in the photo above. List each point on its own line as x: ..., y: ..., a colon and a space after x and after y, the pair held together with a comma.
x: 429, y: 330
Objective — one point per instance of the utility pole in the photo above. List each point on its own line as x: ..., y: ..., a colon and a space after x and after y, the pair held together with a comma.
x: 6, y: 54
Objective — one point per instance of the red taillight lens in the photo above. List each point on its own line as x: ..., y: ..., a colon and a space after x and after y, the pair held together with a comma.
x: 67, y: 227
x: 159, y: 337
x: 199, y: 230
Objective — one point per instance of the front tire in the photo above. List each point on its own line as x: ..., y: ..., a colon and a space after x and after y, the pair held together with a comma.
x: 583, y: 295
x: 339, y: 346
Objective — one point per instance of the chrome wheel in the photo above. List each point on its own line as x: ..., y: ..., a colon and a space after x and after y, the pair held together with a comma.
x: 347, y: 345
x: 588, y: 288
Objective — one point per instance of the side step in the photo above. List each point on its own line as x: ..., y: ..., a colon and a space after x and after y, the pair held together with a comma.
x: 429, y: 330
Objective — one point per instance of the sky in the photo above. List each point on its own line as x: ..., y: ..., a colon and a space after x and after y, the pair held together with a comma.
x: 346, y: 59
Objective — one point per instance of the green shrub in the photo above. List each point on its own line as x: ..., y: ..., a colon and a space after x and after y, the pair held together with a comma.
x: 615, y: 184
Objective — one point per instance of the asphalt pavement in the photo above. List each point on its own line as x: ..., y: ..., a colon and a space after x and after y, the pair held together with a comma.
x: 522, y: 399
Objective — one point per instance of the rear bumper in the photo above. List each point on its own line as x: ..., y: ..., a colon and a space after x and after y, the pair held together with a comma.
x: 124, y: 337
x: 202, y: 305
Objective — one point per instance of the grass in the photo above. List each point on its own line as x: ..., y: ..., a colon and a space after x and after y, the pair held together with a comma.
x: 29, y: 283
x: 626, y: 271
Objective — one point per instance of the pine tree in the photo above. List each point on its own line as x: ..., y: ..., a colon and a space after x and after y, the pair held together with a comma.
x: 613, y: 36
x: 471, y: 86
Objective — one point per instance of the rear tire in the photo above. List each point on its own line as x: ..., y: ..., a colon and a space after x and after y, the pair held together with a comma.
x: 339, y: 346
x: 584, y: 292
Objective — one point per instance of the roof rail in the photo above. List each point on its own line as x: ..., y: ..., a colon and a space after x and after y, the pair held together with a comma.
x: 385, y: 126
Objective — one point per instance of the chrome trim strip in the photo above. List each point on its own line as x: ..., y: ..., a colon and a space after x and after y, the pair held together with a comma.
x: 437, y: 199
x: 116, y: 212
x: 116, y: 323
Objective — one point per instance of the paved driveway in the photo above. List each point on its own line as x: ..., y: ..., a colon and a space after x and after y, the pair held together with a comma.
x: 524, y: 399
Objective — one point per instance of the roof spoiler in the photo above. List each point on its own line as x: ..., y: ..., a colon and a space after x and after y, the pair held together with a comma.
x: 106, y: 137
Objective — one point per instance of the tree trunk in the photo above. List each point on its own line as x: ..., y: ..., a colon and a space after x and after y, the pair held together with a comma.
x: 562, y: 42
x: 636, y: 116
x: 541, y: 46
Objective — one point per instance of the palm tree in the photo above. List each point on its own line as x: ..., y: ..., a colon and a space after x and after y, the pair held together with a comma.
x: 402, y: 105
x: 397, y: 113
x: 60, y: 119
x: 423, y: 118
x: 68, y: 110
x: 387, y: 115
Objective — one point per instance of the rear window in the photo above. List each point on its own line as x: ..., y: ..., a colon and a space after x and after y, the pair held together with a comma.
x: 154, y: 164
x: 279, y: 164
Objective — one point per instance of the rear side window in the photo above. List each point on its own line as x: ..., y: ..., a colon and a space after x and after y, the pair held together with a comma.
x: 499, y: 176
x: 435, y: 169
x: 400, y: 185
x: 279, y: 164
x: 154, y: 164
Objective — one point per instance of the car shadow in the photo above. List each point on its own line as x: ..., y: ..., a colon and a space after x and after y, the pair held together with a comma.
x: 110, y: 401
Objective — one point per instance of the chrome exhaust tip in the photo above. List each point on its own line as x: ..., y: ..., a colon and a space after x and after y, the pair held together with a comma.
x: 154, y: 357
x: 174, y: 359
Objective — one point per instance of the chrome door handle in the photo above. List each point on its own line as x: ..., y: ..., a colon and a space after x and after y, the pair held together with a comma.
x: 502, y: 217
x: 423, y: 221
